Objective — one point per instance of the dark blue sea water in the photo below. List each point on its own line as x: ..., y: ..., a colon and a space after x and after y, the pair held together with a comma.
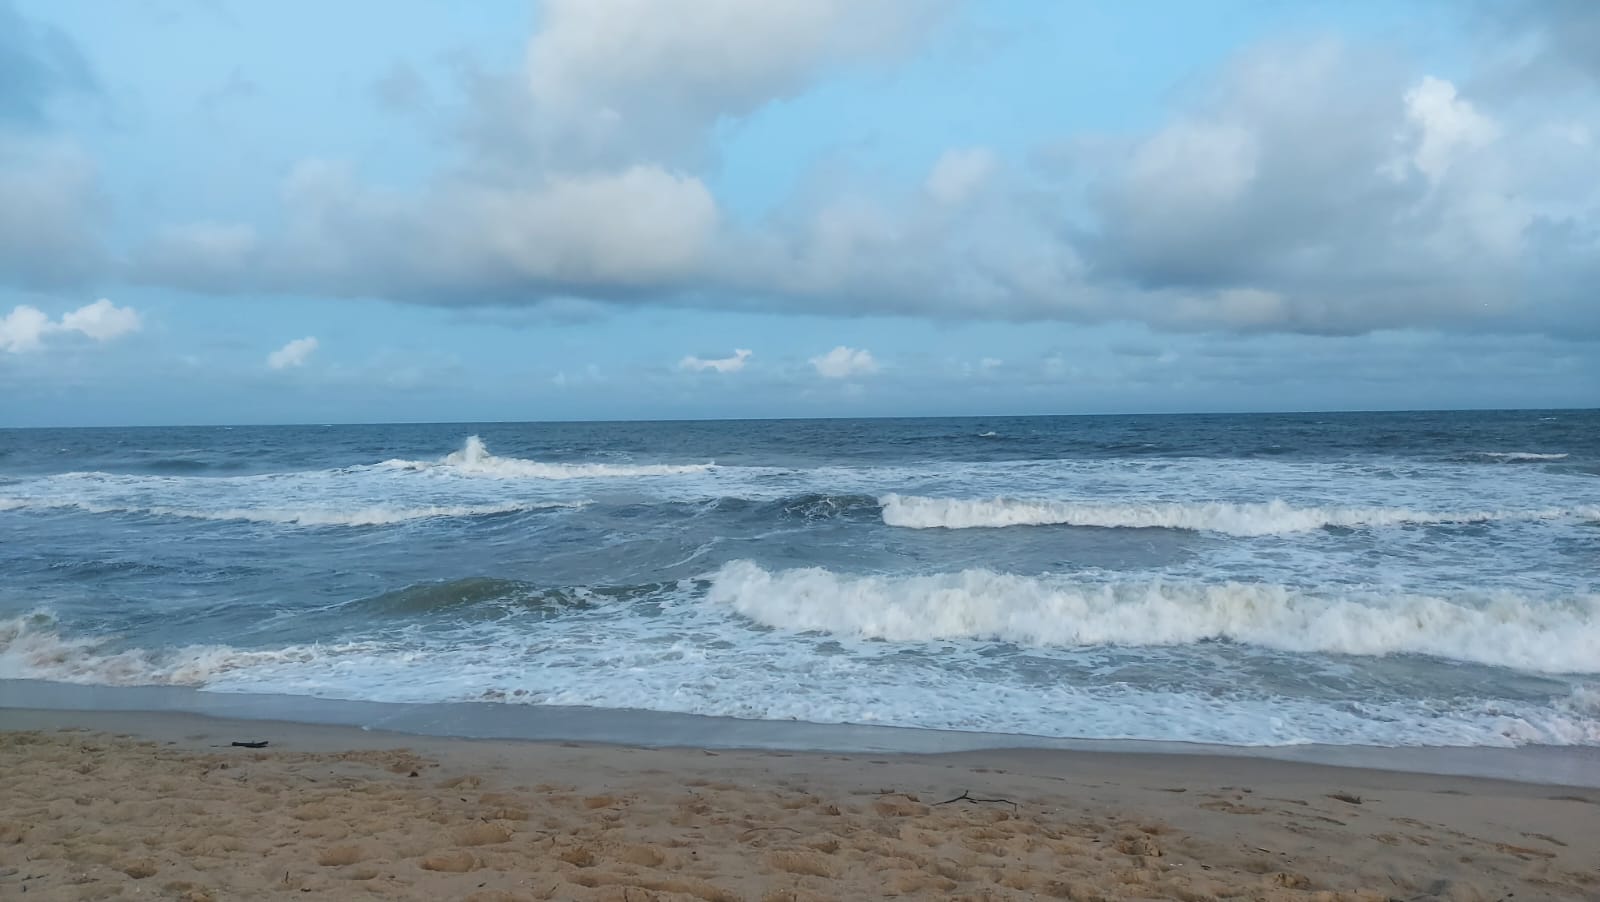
x: 1391, y: 579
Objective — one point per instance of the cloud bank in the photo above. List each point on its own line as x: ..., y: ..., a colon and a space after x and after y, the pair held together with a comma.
x: 1304, y: 186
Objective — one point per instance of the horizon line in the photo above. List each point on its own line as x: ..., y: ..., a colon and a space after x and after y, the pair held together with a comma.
x: 782, y: 419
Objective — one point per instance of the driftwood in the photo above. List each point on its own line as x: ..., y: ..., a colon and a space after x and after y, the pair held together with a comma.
x: 967, y: 797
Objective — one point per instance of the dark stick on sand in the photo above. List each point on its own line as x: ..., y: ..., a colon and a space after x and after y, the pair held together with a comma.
x: 966, y: 797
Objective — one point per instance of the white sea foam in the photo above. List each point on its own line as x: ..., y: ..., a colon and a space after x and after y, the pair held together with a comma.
x: 1238, y: 519
x: 1520, y: 455
x: 754, y: 674
x: 474, y: 459
x: 1557, y: 636
x: 31, y: 648
x: 376, y: 515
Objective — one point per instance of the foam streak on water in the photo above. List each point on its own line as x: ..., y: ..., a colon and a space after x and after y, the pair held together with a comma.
x: 1254, y: 519
x: 1397, y: 579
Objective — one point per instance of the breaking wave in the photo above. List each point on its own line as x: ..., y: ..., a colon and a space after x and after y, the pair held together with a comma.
x: 31, y: 648
x: 1238, y: 519
x: 1520, y: 456
x: 1501, y: 629
x: 474, y: 459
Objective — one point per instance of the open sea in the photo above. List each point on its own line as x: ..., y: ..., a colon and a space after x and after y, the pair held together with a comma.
x: 1392, y: 579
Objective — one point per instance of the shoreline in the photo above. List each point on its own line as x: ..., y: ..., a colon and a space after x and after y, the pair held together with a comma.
x: 101, y: 804
x: 53, y: 705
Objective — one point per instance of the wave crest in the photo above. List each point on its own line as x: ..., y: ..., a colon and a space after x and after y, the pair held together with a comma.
x: 474, y: 459
x: 1502, y: 630
x: 1238, y: 519
x: 31, y: 648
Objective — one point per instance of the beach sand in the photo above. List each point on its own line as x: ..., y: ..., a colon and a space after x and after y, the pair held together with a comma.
x: 128, y: 805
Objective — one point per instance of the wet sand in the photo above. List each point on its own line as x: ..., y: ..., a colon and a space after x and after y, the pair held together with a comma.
x: 97, y: 805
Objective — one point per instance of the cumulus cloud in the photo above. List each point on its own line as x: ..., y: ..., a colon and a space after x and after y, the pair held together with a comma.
x: 101, y: 321
x: 638, y: 77
x: 1445, y: 125
x: 293, y: 354
x: 26, y: 327
x: 719, y: 364
x: 844, y: 362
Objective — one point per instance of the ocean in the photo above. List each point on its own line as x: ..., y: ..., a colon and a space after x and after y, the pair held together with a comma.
x: 1388, y: 579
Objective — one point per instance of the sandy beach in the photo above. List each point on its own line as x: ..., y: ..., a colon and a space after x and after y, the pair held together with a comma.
x: 97, y: 805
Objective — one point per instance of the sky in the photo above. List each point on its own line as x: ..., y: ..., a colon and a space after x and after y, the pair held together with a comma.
x: 218, y: 211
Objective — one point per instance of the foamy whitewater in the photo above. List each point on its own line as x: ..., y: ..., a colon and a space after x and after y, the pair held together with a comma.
x: 1388, y: 579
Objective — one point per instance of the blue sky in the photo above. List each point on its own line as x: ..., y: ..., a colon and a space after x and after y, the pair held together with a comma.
x: 214, y: 211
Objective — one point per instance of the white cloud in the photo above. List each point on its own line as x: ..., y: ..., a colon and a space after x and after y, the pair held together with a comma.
x: 1195, y: 165
x: 1447, y: 124
x: 721, y: 364
x: 843, y: 362
x: 295, y: 353
x: 25, y: 327
x: 640, y: 77
x: 640, y: 225
x: 102, y: 320
x: 959, y: 173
